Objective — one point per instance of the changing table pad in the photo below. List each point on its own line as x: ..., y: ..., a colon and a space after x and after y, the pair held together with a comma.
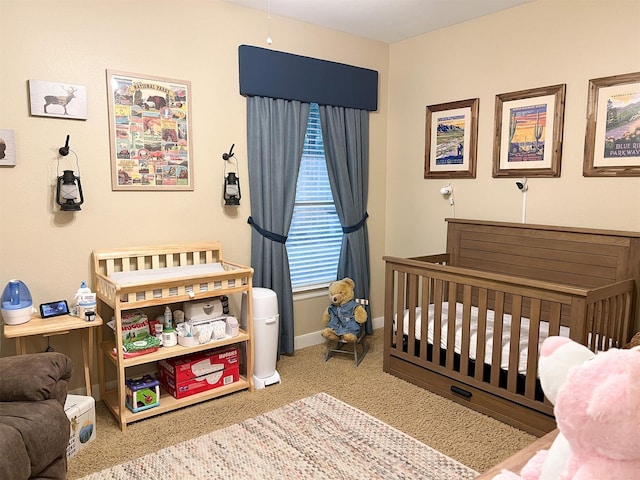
x: 159, y: 274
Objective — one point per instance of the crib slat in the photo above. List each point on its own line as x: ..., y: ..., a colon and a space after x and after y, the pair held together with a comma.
x: 400, y: 302
x: 514, y: 343
x: 532, y: 348
x: 437, y: 321
x: 424, y: 327
x: 555, y: 313
x: 497, y: 335
x: 481, y: 338
x: 412, y: 295
x: 466, y: 330
x: 451, y: 324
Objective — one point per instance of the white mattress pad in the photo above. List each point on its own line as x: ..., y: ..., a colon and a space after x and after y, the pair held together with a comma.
x: 504, y: 341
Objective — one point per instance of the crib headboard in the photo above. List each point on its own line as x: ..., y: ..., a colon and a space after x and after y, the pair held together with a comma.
x: 583, y: 257
x: 573, y: 256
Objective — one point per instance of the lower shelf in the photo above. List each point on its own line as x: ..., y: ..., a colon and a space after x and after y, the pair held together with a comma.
x: 168, y: 402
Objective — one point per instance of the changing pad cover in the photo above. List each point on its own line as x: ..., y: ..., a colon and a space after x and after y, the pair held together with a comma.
x: 158, y: 274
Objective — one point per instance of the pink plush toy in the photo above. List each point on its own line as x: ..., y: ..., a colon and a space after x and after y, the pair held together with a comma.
x: 597, y: 409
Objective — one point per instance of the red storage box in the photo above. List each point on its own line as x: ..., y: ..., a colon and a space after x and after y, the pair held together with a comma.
x: 191, y: 374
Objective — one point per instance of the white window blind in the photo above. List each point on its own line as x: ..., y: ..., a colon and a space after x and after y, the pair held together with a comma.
x: 315, y: 237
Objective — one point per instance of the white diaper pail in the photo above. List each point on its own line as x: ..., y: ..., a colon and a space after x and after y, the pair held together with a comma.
x: 266, y: 330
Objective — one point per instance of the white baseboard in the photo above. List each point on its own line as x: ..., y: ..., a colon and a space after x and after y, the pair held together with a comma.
x: 316, y: 338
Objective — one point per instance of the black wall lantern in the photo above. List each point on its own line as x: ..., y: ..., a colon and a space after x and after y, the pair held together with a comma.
x: 68, y: 187
x: 231, y: 181
x: 69, y: 192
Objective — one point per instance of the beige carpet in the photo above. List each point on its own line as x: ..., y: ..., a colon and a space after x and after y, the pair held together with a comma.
x: 318, y: 437
x: 471, y: 438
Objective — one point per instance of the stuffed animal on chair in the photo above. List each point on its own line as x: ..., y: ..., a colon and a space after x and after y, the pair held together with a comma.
x: 343, y: 317
x: 597, y: 407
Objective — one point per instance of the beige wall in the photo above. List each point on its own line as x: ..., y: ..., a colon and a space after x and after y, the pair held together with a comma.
x: 75, y: 42
x: 546, y: 42
x: 541, y: 43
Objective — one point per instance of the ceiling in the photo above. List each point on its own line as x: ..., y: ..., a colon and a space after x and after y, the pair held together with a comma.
x: 388, y: 21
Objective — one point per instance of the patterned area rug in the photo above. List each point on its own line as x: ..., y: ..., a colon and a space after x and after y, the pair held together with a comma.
x: 318, y: 437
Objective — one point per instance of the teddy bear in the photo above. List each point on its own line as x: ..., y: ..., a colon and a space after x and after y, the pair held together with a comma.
x: 634, y: 342
x: 596, y: 401
x: 343, y: 317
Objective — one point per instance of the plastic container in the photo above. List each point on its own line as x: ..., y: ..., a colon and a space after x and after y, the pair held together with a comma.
x: 85, y: 301
x: 17, y: 304
x: 82, y: 414
x: 169, y: 337
x: 168, y: 318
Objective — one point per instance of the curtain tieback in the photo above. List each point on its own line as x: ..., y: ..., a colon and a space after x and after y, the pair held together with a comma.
x: 266, y: 233
x: 357, y: 226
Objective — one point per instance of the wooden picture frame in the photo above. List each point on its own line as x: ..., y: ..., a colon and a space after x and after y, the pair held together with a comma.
x: 451, y: 139
x: 7, y: 147
x: 528, y: 132
x: 612, y: 139
x: 149, y: 132
x: 57, y: 99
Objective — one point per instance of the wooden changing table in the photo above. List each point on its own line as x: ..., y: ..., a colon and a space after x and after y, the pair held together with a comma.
x: 155, y: 277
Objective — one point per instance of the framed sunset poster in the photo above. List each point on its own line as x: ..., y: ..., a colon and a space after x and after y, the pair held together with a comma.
x: 612, y: 141
x: 451, y: 140
x: 528, y: 132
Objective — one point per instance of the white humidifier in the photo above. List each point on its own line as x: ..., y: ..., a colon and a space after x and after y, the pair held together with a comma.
x: 17, y: 305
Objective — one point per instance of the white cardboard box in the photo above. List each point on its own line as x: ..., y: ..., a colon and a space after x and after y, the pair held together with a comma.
x: 82, y: 415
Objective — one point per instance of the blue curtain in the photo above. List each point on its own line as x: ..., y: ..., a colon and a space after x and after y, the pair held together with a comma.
x: 345, y: 132
x: 275, y: 139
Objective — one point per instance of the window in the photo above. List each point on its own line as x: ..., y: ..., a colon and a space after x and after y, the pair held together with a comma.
x: 315, y: 237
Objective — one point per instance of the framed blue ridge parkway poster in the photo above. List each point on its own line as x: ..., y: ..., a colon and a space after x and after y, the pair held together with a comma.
x: 149, y: 131
x: 451, y: 140
x: 612, y: 140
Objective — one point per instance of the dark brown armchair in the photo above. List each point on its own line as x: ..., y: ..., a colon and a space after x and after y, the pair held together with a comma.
x: 34, y: 428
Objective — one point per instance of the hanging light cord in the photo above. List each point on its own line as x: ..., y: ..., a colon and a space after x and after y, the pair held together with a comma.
x: 269, y: 40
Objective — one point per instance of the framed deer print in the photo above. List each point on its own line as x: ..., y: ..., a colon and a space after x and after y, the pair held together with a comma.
x: 528, y: 132
x: 56, y: 99
x: 150, y: 134
x: 7, y: 147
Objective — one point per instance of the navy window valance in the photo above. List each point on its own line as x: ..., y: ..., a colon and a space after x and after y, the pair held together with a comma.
x: 269, y: 73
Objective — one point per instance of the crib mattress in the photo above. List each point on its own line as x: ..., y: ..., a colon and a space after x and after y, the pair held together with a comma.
x: 504, y: 341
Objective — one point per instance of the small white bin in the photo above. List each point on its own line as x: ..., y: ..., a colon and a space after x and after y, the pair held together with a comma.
x: 82, y: 415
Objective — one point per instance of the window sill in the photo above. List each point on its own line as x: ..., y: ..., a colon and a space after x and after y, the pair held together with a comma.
x: 311, y: 292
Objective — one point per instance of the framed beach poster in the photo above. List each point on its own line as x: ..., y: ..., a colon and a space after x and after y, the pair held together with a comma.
x: 149, y: 132
x: 451, y: 140
x: 612, y: 140
x: 528, y: 132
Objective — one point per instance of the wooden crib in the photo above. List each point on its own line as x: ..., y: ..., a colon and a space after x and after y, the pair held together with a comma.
x: 500, y: 289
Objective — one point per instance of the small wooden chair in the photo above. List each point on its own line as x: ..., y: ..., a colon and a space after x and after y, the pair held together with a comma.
x: 358, y: 349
